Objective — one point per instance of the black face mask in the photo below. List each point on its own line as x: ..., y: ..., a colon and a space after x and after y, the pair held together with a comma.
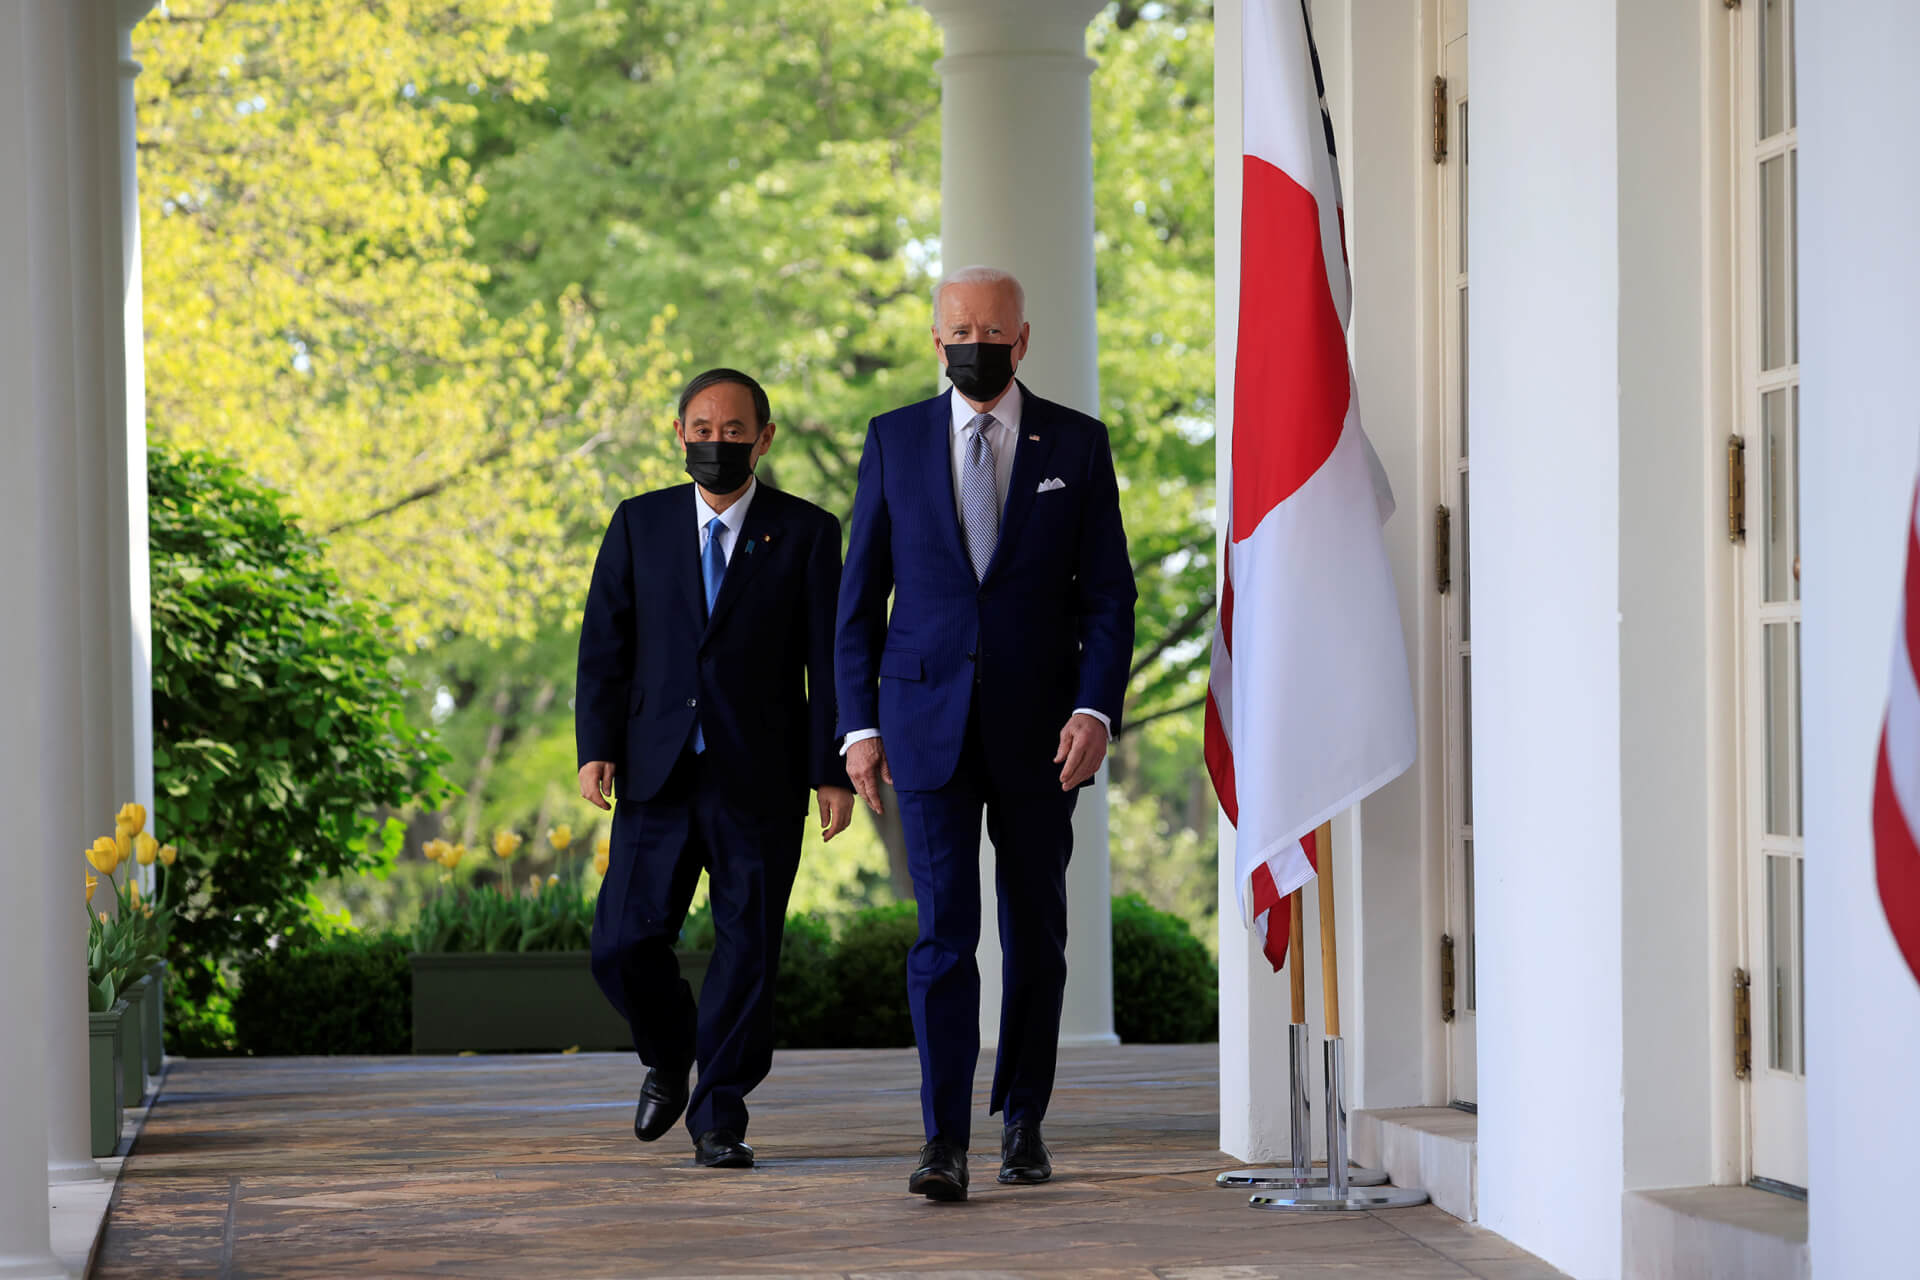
x: 720, y: 466
x: 981, y: 370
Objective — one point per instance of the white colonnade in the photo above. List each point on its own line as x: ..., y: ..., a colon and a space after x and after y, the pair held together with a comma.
x: 73, y: 670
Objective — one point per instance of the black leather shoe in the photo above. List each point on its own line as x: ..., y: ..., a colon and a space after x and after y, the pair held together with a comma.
x: 722, y: 1149
x: 1024, y: 1158
x: 663, y: 1096
x: 942, y: 1174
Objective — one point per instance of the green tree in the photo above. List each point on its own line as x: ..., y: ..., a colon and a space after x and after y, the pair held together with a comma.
x: 279, y: 710
x: 313, y: 309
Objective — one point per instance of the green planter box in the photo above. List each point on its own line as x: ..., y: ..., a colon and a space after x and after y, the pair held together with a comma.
x: 133, y: 1042
x: 505, y: 1001
x: 103, y: 1077
x: 156, y: 1026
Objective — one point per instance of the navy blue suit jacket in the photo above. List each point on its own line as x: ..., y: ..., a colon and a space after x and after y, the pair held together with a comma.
x: 758, y: 674
x: 1049, y: 628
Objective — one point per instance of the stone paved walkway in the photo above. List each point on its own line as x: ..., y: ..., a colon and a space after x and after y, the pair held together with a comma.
x: 525, y: 1166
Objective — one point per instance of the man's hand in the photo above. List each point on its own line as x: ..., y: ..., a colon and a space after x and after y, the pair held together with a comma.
x: 867, y: 766
x: 836, y: 811
x: 596, y: 782
x: 1083, y: 745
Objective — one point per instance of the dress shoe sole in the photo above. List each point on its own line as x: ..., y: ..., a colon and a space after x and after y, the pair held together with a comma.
x: 937, y: 1186
x: 1024, y: 1177
x: 725, y: 1162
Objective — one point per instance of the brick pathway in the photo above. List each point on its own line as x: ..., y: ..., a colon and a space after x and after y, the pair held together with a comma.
x: 525, y: 1166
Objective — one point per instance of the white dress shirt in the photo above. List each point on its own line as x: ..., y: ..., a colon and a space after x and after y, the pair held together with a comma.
x: 1002, y: 436
x: 730, y: 520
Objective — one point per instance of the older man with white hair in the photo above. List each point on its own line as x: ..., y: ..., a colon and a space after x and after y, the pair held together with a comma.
x: 992, y: 517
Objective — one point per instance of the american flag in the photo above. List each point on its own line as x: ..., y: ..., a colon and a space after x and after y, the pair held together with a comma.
x: 1896, y: 787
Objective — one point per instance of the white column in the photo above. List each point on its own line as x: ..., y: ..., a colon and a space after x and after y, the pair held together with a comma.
x: 133, y: 638
x: 88, y: 730
x: 1859, y: 324
x: 1544, y: 372
x: 43, y: 1000
x: 1016, y: 192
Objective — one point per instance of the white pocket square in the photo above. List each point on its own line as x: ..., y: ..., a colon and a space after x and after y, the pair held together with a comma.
x: 1055, y: 483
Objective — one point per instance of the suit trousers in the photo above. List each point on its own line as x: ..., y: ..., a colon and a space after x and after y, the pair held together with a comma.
x: 1032, y: 835
x: 659, y: 849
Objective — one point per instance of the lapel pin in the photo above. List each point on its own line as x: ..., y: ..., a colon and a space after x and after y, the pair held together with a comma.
x: 1035, y: 439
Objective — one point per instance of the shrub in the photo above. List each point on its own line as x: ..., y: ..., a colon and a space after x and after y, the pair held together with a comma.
x: 870, y: 979
x: 1165, y: 987
x: 279, y: 713
x: 804, y: 996
x: 347, y: 993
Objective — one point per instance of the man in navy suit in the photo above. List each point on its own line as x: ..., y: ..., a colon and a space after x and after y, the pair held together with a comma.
x: 993, y: 518
x: 704, y: 698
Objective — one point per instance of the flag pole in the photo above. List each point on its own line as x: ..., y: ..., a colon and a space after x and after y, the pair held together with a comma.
x: 1299, y: 1081
x: 1339, y: 1191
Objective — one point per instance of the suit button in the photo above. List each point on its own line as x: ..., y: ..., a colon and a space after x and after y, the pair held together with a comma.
x: 693, y: 702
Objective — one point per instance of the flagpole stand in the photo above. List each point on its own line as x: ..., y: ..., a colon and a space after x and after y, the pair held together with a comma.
x: 1303, y: 1173
x: 1338, y: 1193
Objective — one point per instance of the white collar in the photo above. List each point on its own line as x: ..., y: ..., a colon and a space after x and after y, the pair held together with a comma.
x: 1006, y: 413
x: 733, y: 517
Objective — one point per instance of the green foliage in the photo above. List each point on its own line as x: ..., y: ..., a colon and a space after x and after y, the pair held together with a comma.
x: 313, y: 307
x: 200, y: 997
x: 554, y: 916
x: 278, y: 707
x: 1165, y: 988
x: 347, y: 993
x: 870, y: 973
x: 805, y: 994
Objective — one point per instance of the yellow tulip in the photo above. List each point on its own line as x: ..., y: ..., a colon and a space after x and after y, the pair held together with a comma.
x: 602, y: 847
x: 147, y: 912
x: 533, y: 883
x: 453, y: 856
x: 93, y: 882
x: 104, y: 854
x: 122, y: 846
x: 506, y: 843
x: 436, y: 850
x: 103, y: 917
x: 560, y: 837
x: 600, y: 861
x: 131, y: 820
x: 553, y: 879
x: 145, y: 849
x: 167, y: 854
x: 133, y: 891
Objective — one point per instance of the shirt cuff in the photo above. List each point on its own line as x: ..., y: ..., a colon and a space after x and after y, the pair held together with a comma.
x: 1104, y: 722
x: 858, y: 735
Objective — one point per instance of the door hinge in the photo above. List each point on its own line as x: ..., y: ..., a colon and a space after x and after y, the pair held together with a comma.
x: 1742, y: 1025
x: 1736, y: 489
x: 1443, y: 549
x: 1439, y: 119
x: 1446, y: 977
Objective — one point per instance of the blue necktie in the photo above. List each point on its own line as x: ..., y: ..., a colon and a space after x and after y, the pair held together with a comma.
x: 713, y: 567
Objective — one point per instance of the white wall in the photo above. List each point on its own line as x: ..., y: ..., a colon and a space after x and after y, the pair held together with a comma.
x: 1544, y: 368
x: 1859, y: 332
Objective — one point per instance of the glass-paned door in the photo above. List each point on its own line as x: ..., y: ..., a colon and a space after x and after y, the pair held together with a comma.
x: 1455, y: 486
x: 1772, y: 851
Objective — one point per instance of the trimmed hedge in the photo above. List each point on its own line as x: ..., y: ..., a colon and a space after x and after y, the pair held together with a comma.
x: 870, y: 976
x: 1166, y: 989
x: 353, y: 993
x: 349, y: 993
